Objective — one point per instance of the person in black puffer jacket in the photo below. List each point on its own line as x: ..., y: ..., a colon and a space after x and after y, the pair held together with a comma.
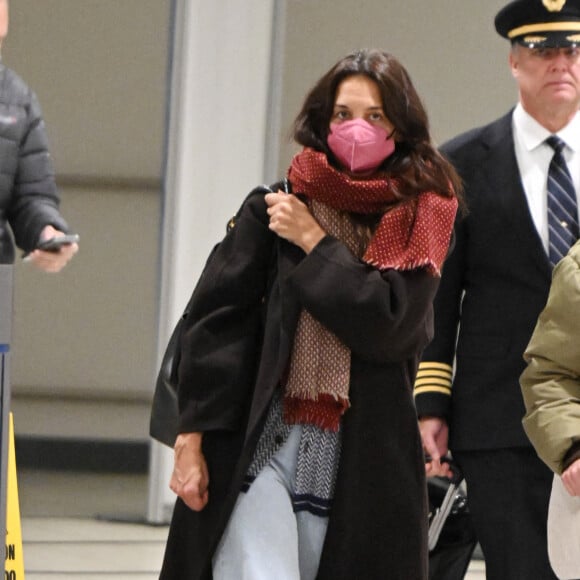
x: 29, y: 202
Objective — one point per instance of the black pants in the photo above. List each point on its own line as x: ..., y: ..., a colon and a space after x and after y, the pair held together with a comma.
x: 508, y: 491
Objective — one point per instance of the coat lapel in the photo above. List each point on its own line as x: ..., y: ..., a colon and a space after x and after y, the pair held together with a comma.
x: 282, y: 318
x: 289, y: 257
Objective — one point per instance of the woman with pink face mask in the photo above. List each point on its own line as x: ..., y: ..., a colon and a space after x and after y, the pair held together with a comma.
x: 298, y: 455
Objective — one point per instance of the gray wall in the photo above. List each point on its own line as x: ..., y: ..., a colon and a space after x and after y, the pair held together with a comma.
x: 85, y: 340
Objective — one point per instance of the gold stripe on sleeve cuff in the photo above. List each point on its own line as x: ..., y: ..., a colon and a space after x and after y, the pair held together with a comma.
x: 433, y: 377
x: 429, y: 365
x: 432, y: 381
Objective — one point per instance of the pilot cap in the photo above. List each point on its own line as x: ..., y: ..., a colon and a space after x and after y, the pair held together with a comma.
x: 540, y: 23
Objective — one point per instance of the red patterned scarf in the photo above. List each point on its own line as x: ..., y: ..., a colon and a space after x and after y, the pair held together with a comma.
x: 410, y: 235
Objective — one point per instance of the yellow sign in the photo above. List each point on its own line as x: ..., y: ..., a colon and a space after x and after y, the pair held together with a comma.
x: 14, y: 560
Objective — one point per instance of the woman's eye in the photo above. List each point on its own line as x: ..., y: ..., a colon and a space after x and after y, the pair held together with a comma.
x: 341, y: 115
x: 376, y: 117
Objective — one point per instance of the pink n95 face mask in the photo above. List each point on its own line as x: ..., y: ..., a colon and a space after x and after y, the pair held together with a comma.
x: 360, y: 146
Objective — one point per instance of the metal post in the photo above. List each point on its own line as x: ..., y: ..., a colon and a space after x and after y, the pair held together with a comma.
x: 6, y: 308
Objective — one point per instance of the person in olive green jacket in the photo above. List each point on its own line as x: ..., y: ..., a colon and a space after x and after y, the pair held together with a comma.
x: 551, y: 381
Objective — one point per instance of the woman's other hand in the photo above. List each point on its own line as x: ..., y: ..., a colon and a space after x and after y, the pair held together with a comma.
x: 190, y: 478
x: 571, y: 479
x: 291, y: 219
x: 52, y: 262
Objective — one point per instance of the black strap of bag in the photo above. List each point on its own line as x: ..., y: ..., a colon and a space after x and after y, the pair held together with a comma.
x: 164, y: 420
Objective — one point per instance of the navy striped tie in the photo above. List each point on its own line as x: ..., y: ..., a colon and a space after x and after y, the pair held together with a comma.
x: 562, y: 206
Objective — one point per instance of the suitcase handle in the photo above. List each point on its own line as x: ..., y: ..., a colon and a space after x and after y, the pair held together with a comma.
x: 457, y: 475
x: 443, y: 511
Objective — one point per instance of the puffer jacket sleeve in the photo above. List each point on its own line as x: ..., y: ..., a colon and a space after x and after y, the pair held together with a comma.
x: 34, y: 201
x: 551, y: 381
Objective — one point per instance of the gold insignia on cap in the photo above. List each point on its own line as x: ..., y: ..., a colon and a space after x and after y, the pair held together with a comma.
x: 534, y: 39
x: 573, y: 38
x: 554, y: 5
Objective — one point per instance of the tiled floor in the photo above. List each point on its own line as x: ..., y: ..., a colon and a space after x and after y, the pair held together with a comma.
x: 476, y: 571
x: 82, y: 526
x: 86, y: 526
x: 85, y: 548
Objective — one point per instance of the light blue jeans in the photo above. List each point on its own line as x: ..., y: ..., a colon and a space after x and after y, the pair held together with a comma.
x: 264, y: 538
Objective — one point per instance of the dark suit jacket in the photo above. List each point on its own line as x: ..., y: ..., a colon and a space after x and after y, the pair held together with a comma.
x: 494, y: 285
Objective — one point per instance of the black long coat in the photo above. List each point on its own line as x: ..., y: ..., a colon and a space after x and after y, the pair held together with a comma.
x: 377, y: 528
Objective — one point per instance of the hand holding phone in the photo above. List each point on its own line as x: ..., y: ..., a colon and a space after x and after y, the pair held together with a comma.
x: 56, y: 243
x: 55, y: 250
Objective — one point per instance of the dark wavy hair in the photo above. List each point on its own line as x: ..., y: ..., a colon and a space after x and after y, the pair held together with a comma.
x: 415, y: 162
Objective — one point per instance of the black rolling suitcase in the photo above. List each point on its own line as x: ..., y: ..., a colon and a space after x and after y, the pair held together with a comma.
x: 451, y: 536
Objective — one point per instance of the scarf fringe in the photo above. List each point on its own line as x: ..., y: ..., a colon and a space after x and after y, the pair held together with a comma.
x: 426, y: 263
x: 324, y: 412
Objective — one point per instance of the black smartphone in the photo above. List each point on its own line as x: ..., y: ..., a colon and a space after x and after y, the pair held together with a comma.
x: 56, y: 243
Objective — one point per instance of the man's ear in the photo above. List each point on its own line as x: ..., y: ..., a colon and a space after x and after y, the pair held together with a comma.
x: 513, y: 62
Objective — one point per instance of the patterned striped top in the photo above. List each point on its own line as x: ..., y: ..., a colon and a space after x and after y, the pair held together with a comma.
x: 317, y: 465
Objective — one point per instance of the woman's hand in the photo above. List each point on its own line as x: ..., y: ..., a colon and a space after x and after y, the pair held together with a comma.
x: 291, y: 219
x: 52, y: 261
x: 571, y: 478
x: 190, y: 478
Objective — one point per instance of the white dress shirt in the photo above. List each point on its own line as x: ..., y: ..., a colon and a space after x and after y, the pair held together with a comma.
x: 534, y: 155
